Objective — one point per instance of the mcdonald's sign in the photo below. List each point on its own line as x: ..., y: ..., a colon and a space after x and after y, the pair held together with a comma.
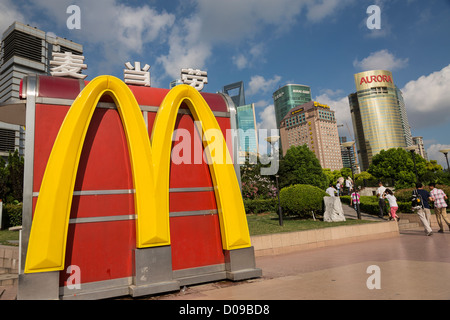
x: 106, y: 211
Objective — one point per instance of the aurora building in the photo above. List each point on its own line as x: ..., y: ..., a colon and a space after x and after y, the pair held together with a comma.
x: 378, y: 115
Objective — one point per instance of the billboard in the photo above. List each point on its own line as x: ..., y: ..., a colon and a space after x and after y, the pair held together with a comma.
x: 139, y: 189
x: 374, y: 78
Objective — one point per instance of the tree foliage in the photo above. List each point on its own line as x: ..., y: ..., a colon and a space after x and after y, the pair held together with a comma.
x: 398, y: 164
x: 11, y: 178
x: 301, y: 166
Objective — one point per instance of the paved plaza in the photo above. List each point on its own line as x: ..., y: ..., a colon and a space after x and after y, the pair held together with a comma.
x: 411, y: 266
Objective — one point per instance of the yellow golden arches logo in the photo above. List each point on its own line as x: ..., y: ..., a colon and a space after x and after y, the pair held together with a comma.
x: 150, y: 166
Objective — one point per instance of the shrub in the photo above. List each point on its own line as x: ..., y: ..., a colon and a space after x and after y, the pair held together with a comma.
x: 260, y: 206
x: 302, y: 200
x: 369, y: 204
x: 13, y: 214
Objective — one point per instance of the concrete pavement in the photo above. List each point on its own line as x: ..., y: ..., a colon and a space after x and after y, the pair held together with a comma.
x: 407, y: 267
x: 411, y: 266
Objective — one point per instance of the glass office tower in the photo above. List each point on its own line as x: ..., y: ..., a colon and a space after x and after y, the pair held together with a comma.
x: 288, y: 97
x: 248, y: 137
x: 378, y: 115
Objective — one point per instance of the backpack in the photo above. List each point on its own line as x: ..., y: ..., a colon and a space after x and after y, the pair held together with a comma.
x: 416, y: 201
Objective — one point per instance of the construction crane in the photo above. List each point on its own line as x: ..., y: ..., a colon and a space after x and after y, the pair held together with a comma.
x: 348, y: 128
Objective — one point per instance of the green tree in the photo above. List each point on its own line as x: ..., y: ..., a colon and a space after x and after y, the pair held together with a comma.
x: 15, y: 167
x: 300, y: 166
x: 397, y: 164
x: 4, y: 178
x: 11, y: 178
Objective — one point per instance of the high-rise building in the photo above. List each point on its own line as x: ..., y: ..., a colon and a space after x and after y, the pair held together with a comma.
x: 313, y: 124
x: 418, y: 141
x: 288, y: 97
x: 378, y: 115
x: 26, y: 50
x: 247, y: 133
x: 348, y: 160
x: 236, y: 93
x: 12, y: 137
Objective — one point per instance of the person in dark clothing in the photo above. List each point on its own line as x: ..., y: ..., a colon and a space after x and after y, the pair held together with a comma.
x: 423, y: 211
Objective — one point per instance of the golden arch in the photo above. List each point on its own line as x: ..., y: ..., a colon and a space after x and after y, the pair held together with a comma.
x: 150, y: 166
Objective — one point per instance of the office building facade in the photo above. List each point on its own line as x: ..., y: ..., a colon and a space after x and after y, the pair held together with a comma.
x: 378, y: 115
x: 247, y: 132
x: 287, y: 98
x: 418, y: 141
x: 236, y: 93
x: 313, y: 124
x: 27, y: 50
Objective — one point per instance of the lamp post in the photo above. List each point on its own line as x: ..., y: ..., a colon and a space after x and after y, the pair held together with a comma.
x: 272, y: 140
x: 445, y: 152
x: 412, y: 149
x: 350, y: 145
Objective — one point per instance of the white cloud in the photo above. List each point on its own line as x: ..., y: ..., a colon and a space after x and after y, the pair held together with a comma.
x: 235, y: 20
x: 186, y: 48
x: 240, y: 61
x: 268, y: 119
x: 8, y: 14
x: 319, y: 10
x: 427, y: 99
x: 260, y: 84
x: 116, y: 31
x: 434, y: 154
x: 248, y: 59
x: 382, y: 59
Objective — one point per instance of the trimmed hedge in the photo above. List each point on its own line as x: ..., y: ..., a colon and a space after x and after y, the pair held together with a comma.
x: 369, y: 204
x: 260, y: 206
x: 302, y: 200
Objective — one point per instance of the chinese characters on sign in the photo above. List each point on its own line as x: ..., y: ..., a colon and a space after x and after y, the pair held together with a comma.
x: 137, y: 76
x: 67, y: 64
x: 195, y: 78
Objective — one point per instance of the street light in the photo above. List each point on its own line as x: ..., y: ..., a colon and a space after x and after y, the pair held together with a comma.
x: 413, y: 149
x: 272, y: 140
x: 445, y: 152
x: 350, y: 145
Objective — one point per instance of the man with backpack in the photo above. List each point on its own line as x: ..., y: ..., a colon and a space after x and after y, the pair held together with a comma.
x: 421, y: 207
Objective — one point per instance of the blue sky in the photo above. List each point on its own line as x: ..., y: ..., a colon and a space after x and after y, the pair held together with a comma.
x: 266, y: 44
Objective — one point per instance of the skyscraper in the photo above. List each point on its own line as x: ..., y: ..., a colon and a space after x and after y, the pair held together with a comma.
x: 288, y: 97
x: 313, y: 124
x: 26, y: 50
x: 236, y: 92
x: 247, y: 133
x: 378, y: 115
x: 418, y: 141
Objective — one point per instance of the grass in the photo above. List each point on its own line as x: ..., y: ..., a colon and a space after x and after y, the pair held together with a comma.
x: 269, y: 223
x: 6, y: 235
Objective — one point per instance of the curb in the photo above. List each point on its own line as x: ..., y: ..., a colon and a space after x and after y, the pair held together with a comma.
x: 280, y: 243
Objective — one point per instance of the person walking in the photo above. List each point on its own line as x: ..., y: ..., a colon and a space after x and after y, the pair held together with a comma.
x: 338, y: 188
x: 440, y: 206
x: 355, y: 200
x: 348, y: 185
x: 423, y: 210
x: 381, y: 202
x: 331, y: 190
x: 389, y: 195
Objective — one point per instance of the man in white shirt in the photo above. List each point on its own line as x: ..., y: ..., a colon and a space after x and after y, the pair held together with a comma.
x: 331, y: 190
x: 381, y: 202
